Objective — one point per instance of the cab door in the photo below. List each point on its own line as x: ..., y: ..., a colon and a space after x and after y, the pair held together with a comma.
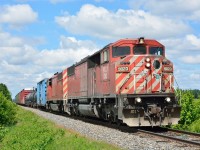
x: 105, y: 79
x: 93, y: 74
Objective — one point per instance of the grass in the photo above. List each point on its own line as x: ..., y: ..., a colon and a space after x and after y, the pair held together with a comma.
x: 195, y: 127
x: 35, y: 133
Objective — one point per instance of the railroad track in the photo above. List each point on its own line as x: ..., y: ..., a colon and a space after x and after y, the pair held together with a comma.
x: 182, y: 138
x: 186, y: 138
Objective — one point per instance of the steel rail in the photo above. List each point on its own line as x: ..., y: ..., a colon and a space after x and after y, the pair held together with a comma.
x: 184, y: 132
x: 170, y: 137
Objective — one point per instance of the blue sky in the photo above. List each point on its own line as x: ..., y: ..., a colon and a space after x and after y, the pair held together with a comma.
x: 41, y: 37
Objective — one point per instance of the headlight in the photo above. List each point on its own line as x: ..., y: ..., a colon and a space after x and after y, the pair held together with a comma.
x: 138, y: 100
x: 148, y: 59
x: 168, y: 99
x: 148, y: 65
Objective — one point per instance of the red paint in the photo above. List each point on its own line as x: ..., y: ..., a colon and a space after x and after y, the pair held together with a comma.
x: 57, y: 86
x: 21, y: 96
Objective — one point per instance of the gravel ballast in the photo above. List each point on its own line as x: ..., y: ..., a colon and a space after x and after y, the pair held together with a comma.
x: 123, y: 140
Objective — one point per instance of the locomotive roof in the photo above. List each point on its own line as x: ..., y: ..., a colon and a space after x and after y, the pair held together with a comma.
x: 82, y: 61
x: 28, y: 89
x: 86, y: 58
x: 25, y: 89
x: 129, y: 40
x: 43, y: 80
x: 135, y: 41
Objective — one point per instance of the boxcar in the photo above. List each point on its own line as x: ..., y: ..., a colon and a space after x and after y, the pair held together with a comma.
x: 21, y: 96
x: 42, y: 93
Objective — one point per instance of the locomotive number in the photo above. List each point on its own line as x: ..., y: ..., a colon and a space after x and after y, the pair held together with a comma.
x: 123, y: 69
x: 168, y: 69
x: 133, y: 111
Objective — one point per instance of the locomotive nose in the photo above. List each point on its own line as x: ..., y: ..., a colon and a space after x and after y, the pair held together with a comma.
x: 153, y: 109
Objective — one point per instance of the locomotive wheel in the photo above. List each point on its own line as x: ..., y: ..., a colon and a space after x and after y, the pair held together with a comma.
x: 119, y: 123
x: 111, y: 117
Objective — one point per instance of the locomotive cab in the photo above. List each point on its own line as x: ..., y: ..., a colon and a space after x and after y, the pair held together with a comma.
x: 144, y: 84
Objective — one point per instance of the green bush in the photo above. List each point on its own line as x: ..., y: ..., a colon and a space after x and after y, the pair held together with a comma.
x: 195, y: 127
x: 7, y: 111
x: 197, y: 108
x: 187, y: 109
x: 190, y: 110
x: 5, y: 91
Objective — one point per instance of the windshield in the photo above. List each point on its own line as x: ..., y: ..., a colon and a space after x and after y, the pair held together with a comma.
x: 120, y: 51
x: 156, y: 50
x: 138, y: 50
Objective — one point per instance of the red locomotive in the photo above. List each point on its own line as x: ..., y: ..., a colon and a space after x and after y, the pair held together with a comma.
x: 129, y: 81
x: 57, y: 91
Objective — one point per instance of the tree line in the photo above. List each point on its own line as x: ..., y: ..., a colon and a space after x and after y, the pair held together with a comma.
x: 7, y: 107
x: 189, y: 100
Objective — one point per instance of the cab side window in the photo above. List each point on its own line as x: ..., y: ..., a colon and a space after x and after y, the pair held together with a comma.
x: 104, y: 56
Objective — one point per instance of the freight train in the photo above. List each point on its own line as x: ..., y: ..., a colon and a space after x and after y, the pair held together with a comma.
x: 129, y: 81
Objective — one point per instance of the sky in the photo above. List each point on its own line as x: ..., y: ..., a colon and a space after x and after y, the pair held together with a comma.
x: 41, y: 37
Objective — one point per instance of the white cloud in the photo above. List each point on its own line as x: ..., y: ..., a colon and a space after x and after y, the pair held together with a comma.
x: 15, y: 50
x: 23, y: 64
x: 71, y: 50
x: 189, y: 9
x: 195, y: 15
x: 104, y: 1
x: 191, y: 59
x: 194, y: 40
x: 71, y: 42
x: 13, y: 40
x: 17, y: 15
x: 58, y: 1
x: 187, y: 45
x: 102, y: 23
x: 24, y: 1
x: 195, y: 76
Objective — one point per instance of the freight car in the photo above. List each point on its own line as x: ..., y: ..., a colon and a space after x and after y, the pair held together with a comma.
x: 129, y: 81
x: 21, y: 96
x: 31, y: 99
x: 41, y: 93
